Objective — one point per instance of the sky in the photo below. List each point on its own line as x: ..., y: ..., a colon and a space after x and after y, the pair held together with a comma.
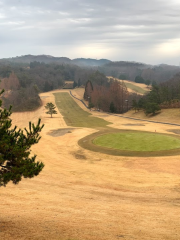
x: 118, y: 30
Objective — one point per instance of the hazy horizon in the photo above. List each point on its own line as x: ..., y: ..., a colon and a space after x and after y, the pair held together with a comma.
x: 131, y: 30
x: 90, y: 58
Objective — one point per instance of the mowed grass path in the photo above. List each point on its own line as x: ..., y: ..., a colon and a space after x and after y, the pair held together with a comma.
x: 137, y: 141
x: 135, y: 88
x: 74, y: 115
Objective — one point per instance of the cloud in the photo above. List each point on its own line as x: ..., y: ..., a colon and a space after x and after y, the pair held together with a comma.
x: 120, y: 30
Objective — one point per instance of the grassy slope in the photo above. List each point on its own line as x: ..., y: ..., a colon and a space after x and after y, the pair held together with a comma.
x: 135, y: 88
x: 139, y: 88
x: 74, y: 115
x: 139, y: 141
x: 166, y: 115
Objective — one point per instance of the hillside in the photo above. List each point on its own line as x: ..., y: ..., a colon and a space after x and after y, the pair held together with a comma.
x: 156, y: 73
x: 85, y: 62
x: 130, y: 70
x: 133, y: 87
x: 139, y: 88
x: 171, y: 115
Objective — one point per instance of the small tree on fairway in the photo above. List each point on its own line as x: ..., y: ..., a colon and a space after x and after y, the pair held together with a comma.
x: 15, y: 159
x: 51, y: 109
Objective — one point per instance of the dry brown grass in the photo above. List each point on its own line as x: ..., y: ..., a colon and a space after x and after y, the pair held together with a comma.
x: 166, y: 115
x: 82, y: 195
x: 78, y: 92
x: 140, y: 85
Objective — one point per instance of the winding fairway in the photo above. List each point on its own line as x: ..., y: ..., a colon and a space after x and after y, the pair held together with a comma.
x: 74, y: 115
x: 135, y: 88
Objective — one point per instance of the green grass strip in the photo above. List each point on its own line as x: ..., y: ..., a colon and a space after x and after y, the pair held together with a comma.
x: 140, y: 141
x: 135, y: 88
x: 74, y: 115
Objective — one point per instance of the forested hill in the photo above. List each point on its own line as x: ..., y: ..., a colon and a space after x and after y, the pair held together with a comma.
x: 163, y: 95
x: 130, y: 70
x: 167, y: 94
x: 121, y: 69
x: 23, y: 83
x: 170, y: 90
x: 27, y: 59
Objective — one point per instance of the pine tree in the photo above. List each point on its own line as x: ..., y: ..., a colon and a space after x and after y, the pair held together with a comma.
x: 15, y: 159
x: 51, y: 108
x: 74, y: 84
x: 134, y: 104
x: 151, y: 108
x: 112, y: 108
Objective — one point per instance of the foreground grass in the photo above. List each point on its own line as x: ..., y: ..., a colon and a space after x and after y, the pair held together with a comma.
x: 135, y: 88
x: 139, y: 141
x: 74, y: 115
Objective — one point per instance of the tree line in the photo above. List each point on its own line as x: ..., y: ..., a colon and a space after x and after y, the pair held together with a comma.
x: 112, y: 96
x: 132, y: 70
x: 109, y: 96
x: 162, y: 95
x: 23, y: 83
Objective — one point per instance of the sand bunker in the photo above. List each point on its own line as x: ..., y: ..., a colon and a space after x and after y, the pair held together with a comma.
x: 60, y: 132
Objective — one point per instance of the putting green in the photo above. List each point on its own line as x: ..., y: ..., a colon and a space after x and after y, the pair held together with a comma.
x: 140, y: 141
x: 131, y: 143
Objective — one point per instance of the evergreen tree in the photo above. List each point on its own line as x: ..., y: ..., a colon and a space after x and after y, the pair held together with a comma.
x: 51, y: 108
x: 47, y: 86
x: 141, y: 103
x: 134, y: 104
x: 112, y: 107
x: 151, y: 108
x: 147, y: 82
x: 88, y: 90
x: 123, y: 77
x: 74, y: 84
x: 90, y: 105
x: 139, y: 79
x: 15, y: 159
x: 79, y: 82
x: 154, y: 95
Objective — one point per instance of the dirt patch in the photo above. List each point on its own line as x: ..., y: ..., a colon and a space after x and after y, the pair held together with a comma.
x: 79, y: 155
x: 60, y: 132
x: 176, y: 131
x: 131, y: 124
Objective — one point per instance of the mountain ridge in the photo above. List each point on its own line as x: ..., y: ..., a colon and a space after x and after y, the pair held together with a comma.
x: 51, y: 59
